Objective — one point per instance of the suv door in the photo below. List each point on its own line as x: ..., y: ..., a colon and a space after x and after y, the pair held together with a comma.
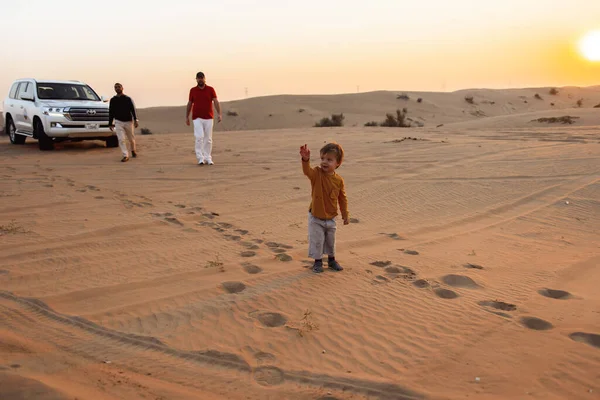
x: 10, y: 106
x: 26, y: 107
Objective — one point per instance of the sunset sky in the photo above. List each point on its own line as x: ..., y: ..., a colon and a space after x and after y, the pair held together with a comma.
x: 297, y: 47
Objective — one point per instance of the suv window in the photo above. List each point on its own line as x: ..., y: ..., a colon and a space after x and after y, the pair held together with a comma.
x: 65, y: 91
x: 26, y: 88
x: 13, y: 90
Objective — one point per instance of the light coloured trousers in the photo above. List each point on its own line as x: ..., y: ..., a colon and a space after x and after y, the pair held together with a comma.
x: 203, y: 129
x: 321, y: 237
x: 126, y: 136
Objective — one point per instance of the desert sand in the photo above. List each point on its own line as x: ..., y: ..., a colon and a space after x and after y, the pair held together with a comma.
x: 471, y: 263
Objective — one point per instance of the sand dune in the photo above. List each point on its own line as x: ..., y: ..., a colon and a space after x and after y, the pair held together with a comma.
x: 294, y: 111
x: 473, y: 253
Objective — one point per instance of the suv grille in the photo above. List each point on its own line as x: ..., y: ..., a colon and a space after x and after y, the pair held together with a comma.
x: 88, y: 114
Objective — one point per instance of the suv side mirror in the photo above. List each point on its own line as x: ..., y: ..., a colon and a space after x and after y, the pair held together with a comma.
x: 104, y: 99
x: 27, y: 97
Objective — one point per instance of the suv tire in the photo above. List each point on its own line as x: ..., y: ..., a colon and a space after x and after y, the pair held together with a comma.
x: 112, y: 141
x: 15, y: 138
x: 45, y: 142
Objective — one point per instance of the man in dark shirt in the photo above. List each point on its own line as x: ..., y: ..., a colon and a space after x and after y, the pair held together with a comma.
x: 122, y: 111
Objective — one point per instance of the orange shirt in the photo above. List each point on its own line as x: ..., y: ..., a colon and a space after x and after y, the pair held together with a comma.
x: 327, y: 190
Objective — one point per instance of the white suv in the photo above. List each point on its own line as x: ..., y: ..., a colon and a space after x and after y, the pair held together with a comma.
x: 53, y: 111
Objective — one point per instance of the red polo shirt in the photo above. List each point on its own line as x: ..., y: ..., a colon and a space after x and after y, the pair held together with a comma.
x: 202, y: 106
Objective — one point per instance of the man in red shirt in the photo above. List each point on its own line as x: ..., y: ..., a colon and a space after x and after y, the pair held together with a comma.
x: 200, y: 103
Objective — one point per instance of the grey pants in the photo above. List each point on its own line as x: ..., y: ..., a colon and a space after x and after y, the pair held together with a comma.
x: 321, y: 237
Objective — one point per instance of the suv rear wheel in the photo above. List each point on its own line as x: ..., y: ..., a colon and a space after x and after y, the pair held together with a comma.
x: 45, y: 142
x: 15, y: 138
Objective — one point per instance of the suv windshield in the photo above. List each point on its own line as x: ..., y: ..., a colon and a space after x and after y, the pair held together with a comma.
x: 65, y: 91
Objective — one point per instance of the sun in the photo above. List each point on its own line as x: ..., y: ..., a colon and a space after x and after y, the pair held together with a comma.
x: 589, y: 45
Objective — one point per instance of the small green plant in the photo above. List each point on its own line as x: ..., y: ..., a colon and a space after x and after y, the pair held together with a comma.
x: 402, y: 96
x: 579, y: 102
x: 335, y: 120
x: 301, y: 110
x: 372, y: 123
x: 469, y: 99
x: 419, y: 100
x: 537, y: 96
x: 146, y: 131
x: 232, y: 113
x: 553, y: 91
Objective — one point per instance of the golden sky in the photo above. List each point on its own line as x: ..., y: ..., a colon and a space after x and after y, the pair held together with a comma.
x: 290, y: 47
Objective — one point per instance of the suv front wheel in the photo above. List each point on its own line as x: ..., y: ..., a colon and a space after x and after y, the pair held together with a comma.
x: 15, y: 138
x: 45, y: 142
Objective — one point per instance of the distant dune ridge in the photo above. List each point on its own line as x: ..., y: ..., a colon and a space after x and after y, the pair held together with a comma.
x: 491, y: 108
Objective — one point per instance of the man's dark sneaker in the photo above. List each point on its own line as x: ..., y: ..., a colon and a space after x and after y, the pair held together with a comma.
x: 318, y: 266
x: 334, y: 265
x: 133, y: 154
x: 124, y: 159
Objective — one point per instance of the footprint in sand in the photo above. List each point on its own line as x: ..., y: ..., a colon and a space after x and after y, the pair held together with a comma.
x: 445, y: 293
x: 242, y: 231
x: 248, y: 253
x: 411, y: 252
x: 394, y: 236
x: 274, y: 245
x: 555, y: 294
x: 380, y: 279
x: 421, y: 283
x: 259, y: 241
x: 354, y: 220
x: 173, y: 220
x: 498, y: 305
x: 235, y: 238
x: 473, y: 266
x: 251, y: 268
x: 271, y: 319
x: 460, y: 281
x: 268, y: 376
x: 180, y: 205
x: 225, y: 225
x: 264, y: 358
x: 381, y: 264
x: 250, y: 246
x: 401, y: 272
x: 278, y: 251
x: 3, y: 272
x: 283, y: 257
x: 99, y: 197
x: 589, y: 338
x: 233, y: 287
x: 536, y: 323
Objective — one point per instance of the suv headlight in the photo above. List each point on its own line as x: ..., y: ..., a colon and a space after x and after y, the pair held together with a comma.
x: 54, y: 111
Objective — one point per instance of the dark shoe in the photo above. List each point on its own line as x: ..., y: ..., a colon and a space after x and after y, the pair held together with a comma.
x: 318, y: 267
x: 334, y: 265
x: 133, y: 154
x: 124, y: 159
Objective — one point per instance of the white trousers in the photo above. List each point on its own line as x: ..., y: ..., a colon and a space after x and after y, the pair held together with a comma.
x: 126, y: 136
x: 203, y: 129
